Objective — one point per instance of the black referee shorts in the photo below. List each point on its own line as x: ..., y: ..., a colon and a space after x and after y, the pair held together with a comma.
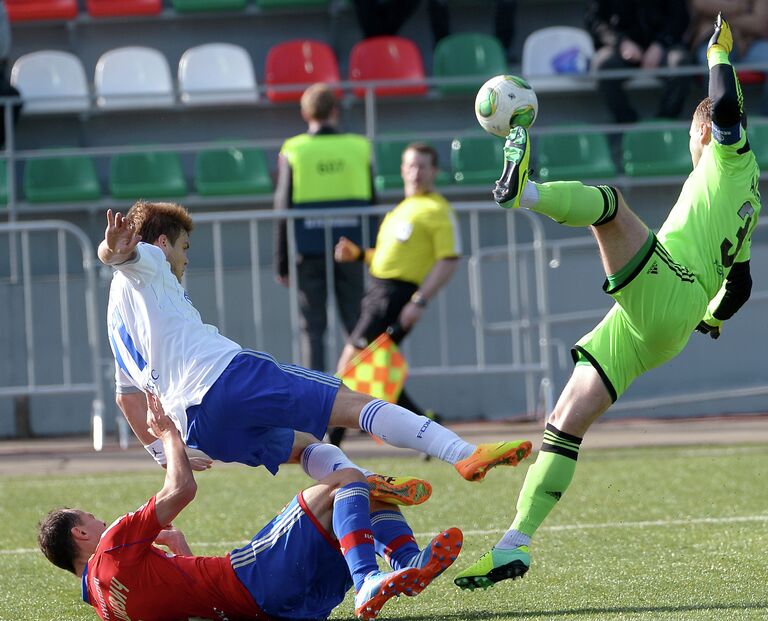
x: 380, y: 308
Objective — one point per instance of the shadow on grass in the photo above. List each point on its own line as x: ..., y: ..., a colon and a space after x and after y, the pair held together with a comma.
x: 589, y: 612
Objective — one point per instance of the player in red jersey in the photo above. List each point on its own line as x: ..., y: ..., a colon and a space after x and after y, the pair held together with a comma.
x: 299, y: 566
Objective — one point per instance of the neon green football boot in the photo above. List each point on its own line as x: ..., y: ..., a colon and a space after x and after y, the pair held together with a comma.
x: 493, y: 567
x: 517, y: 154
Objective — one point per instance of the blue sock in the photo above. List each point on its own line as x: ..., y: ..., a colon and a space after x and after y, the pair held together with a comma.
x: 394, y: 538
x: 352, y: 526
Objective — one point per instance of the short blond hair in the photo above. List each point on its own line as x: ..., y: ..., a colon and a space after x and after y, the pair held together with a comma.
x: 318, y: 102
x: 703, y: 113
x: 151, y: 220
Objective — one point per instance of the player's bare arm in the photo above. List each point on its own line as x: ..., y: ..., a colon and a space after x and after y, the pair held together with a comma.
x: 120, y: 240
x: 173, y: 539
x: 180, y: 487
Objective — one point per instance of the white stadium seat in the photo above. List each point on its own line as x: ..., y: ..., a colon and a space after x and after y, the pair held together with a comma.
x: 133, y: 77
x: 553, y: 56
x: 217, y: 73
x: 51, y: 81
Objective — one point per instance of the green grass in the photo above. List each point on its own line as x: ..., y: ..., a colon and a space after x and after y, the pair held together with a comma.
x: 642, y: 534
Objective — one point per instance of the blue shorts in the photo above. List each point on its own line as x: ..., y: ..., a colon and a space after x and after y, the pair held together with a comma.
x: 293, y: 568
x: 250, y: 413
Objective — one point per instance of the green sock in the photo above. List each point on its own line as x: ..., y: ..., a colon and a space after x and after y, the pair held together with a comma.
x: 574, y: 204
x: 546, y: 480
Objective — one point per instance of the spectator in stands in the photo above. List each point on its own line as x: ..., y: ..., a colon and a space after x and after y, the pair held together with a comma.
x: 231, y: 403
x: 748, y: 20
x: 417, y: 251
x: 386, y: 17
x: 645, y: 35
x: 300, y: 565
x: 693, y: 275
x: 322, y: 168
x: 6, y: 90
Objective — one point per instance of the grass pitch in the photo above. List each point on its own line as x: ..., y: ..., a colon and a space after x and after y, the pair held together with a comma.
x: 642, y: 534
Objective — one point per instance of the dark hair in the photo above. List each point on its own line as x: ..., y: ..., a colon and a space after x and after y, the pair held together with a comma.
x: 703, y: 113
x: 151, y: 220
x: 318, y: 102
x: 54, y: 536
x: 425, y: 149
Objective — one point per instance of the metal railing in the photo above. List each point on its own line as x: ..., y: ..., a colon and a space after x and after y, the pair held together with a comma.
x: 68, y: 384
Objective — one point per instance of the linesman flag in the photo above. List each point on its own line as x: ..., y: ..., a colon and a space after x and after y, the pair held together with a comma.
x: 378, y: 370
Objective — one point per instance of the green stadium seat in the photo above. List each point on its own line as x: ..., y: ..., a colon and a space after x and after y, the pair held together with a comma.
x: 651, y: 152
x: 194, y: 6
x: 66, y: 179
x: 758, y: 140
x: 232, y: 171
x: 146, y: 175
x: 3, y: 183
x: 388, y: 157
x: 476, y: 159
x: 468, y: 54
x: 585, y: 155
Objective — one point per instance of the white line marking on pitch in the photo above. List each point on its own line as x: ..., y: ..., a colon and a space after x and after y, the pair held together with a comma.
x: 640, y: 524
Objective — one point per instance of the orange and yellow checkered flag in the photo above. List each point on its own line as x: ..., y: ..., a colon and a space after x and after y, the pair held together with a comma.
x: 378, y: 370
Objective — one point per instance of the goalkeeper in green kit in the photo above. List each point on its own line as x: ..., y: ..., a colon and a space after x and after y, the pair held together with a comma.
x: 693, y: 275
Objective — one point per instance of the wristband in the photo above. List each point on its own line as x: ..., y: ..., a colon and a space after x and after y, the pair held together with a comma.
x: 361, y: 255
x: 418, y: 299
x: 156, y: 450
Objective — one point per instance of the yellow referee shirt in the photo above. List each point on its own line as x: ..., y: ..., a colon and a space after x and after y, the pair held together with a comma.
x: 416, y: 234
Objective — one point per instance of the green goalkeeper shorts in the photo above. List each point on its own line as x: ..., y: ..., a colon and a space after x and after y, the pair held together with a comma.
x: 658, y: 306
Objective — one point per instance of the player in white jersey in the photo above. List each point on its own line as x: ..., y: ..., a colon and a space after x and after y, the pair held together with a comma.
x: 236, y: 404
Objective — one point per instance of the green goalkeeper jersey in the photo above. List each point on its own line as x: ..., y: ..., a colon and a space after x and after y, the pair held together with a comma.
x: 710, y: 226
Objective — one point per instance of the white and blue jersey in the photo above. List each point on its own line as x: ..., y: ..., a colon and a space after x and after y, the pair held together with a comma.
x: 235, y: 405
x: 160, y: 343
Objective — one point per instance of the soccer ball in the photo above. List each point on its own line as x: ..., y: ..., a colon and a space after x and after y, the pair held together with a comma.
x: 504, y: 102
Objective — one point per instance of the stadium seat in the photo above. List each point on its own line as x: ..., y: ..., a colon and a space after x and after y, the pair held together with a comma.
x: 30, y: 10
x: 301, y: 62
x: 232, y: 171
x: 389, y: 154
x: 585, y: 155
x: 133, y: 77
x: 552, y: 54
x: 3, y: 183
x: 65, y: 179
x: 193, y: 6
x: 656, y: 152
x: 216, y: 73
x: 476, y: 159
x: 146, y: 175
x: 387, y: 58
x: 468, y: 54
x: 289, y: 4
x: 757, y: 134
x: 51, y: 81
x: 119, y: 8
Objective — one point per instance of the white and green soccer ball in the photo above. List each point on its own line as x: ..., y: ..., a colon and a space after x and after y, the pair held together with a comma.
x: 504, y: 102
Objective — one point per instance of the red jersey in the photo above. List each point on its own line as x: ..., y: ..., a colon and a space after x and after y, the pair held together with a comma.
x: 130, y: 579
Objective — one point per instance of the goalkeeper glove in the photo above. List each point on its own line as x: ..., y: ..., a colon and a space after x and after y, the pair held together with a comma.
x: 722, y: 39
x: 705, y: 328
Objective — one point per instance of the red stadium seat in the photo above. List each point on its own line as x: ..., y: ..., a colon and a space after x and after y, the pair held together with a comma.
x: 301, y: 62
x: 751, y: 77
x: 387, y: 58
x: 29, y: 10
x: 116, y: 8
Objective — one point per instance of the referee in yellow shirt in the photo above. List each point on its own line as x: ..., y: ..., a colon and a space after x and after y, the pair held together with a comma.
x: 417, y: 251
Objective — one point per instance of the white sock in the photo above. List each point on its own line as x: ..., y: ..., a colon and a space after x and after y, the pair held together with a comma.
x: 513, y: 539
x: 530, y: 195
x: 319, y: 460
x: 404, y: 429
